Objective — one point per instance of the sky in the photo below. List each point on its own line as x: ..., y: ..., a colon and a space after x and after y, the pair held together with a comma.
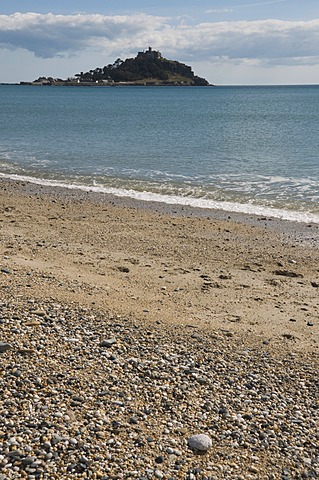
x: 229, y: 42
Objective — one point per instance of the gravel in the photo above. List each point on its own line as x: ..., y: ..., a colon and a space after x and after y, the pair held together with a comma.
x: 88, y: 395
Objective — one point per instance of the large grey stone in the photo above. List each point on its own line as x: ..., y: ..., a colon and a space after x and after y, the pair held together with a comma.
x: 200, y: 442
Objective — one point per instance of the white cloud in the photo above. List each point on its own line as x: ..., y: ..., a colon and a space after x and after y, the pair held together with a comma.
x: 257, y: 40
x: 265, y: 41
x: 220, y: 10
x: 259, y: 4
x: 48, y: 35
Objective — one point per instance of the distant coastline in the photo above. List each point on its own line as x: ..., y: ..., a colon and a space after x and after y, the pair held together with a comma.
x: 119, y: 84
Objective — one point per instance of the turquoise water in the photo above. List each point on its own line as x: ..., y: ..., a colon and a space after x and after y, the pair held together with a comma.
x: 249, y: 149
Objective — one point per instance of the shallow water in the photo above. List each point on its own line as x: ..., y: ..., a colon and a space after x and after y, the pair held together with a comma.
x: 244, y: 149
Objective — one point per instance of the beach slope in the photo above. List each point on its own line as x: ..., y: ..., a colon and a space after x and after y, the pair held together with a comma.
x: 126, y: 328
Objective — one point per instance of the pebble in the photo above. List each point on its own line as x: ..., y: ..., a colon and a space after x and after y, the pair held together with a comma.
x: 108, y: 343
x: 159, y: 459
x: 5, y: 270
x: 4, y: 347
x: 200, y: 442
x: 158, y: 474
x: 40, y: 312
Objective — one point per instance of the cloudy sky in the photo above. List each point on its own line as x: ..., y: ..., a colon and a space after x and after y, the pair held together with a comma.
x: 226, y: 41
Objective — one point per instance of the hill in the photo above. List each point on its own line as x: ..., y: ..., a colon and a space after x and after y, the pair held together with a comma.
x: 147, y: 68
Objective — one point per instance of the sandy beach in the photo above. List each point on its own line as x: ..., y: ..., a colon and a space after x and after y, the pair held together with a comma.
x: 177, y: 266
x: 199, y: 282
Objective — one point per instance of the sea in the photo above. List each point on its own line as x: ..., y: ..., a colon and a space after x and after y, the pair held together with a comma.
x: 249, y: 149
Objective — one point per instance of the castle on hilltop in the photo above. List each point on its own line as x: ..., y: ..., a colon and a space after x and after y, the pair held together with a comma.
x: 154, y: 54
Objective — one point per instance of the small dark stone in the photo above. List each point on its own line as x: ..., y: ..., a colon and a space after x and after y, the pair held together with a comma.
x: 78, y: 399
x: 108, y: 343
x: 15, y: 454
x: 133, y: 421
x: 124, y: 269
x: 28, y: 460
x: 159, y: 459
x: 287, y: 273
x: 4, y: 347
x: 5, y: 270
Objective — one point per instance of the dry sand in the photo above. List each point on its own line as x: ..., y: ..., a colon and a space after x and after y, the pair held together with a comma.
x: 253, y: 280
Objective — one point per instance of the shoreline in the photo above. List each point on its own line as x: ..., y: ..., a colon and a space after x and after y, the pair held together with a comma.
x: 179, y: 263
x: 298, y: 231
x: 128, y: 327
x: 196, y: 204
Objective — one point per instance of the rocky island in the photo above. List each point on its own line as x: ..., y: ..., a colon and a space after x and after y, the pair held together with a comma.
x: 147, y: 68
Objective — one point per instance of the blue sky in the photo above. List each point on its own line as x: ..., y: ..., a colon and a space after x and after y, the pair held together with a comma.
x: 227, y: 42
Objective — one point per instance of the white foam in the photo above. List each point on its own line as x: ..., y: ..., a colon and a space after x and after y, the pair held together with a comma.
x: 245, y: 208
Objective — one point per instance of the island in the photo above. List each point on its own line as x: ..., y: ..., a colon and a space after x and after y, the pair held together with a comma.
x: 148, y: 68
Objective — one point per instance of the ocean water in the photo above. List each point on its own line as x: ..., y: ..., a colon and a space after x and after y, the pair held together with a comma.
x: 243, y: 149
